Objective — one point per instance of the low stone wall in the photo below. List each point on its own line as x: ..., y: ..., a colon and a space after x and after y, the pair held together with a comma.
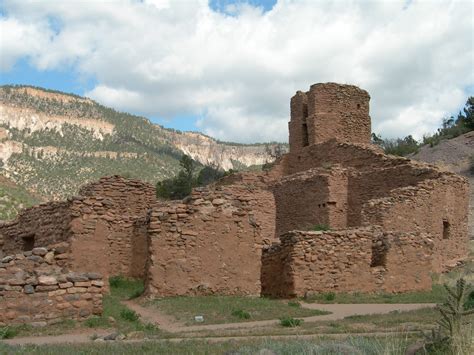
x: 36, y: 289
x: 360, y: 260
x: 439, y: 206
x: 208, y: 244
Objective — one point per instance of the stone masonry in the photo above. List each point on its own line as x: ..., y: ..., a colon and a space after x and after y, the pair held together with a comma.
x: 35, y: 288
x: 389, y: 224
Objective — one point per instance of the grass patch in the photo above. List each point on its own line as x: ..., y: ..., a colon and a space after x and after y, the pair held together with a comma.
x: 241, y: 314
x: 124, y: 319
x: 8, y: 332
x: 295, y: 304
x: 290, y: 322
x: 320, y: 228
x: 129, y: 315
x: 436, y: 295
x: 215, y: 309
x: 351, y: 345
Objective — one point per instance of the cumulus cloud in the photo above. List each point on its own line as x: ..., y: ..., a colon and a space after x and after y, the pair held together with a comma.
x: 235, y: 71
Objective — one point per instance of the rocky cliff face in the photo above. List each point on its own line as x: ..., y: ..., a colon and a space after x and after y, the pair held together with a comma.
x: 52, y: 143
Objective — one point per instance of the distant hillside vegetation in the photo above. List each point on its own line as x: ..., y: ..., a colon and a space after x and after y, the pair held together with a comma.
x: 51, y: 143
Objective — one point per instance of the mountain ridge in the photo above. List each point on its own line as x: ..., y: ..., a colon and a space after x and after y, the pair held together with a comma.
x: 53, y: 142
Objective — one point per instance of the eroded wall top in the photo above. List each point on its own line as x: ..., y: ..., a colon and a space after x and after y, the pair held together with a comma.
x: 329, y: 111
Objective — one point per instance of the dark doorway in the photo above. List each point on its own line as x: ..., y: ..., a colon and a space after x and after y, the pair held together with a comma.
x: 28, y: 242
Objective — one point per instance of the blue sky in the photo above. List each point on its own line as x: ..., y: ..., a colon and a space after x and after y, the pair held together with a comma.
x: 229, y: 68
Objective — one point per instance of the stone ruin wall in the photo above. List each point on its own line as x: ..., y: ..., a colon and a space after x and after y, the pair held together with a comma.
x: 36, y: 288
x: 317, y: 197
x: 329, y: 111
x: 208, y: 244
x: 439, y: 206
x: 99, y: 224
x: 104, y: 226
x: 359, y: 260
x: 41, y: 225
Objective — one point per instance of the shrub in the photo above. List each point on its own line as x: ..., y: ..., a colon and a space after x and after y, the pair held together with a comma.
x: 117, y: 281
x: 96, y: 322
x: 241, y: 314
x: 7, y: 332
x: 290, y: 322
x: 320, y: 227
x: 329, y: 296
x: 455, y: 330
x: 470, y: 302
x: 471, y: 167
x: 129, y: 315
x: 294, y: 304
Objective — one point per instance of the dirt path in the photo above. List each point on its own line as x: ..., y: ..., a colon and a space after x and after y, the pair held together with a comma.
x: 82, y: 338
x: 338, y: 311
x: 169, y: 324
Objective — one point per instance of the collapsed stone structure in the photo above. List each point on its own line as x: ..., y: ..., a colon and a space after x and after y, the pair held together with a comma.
x: 385, y: 223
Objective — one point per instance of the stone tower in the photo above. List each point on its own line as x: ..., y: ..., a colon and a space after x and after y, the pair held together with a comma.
x: 329, y: 111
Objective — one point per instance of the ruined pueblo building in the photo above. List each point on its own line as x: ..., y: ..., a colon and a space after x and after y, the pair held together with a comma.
x: 334, y: 214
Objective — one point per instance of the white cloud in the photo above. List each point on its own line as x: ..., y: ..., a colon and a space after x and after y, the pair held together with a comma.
x: 237, y: 73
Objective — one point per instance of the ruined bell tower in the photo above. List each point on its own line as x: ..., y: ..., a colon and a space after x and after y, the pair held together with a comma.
x: 329, y: 111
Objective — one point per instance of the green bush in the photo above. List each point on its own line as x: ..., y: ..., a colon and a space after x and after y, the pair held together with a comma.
x: 7, y: 332
x: 96, y: 322
x: 290, y: 322
x: 241, y: 314
x: 117, y: 281
x: 320, y: 227
x: 329, y: 296
x: 295, y: 304
x: 469, y: 302
x: 129, y: 315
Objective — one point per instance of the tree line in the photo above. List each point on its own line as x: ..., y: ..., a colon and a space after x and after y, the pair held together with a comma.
x: 451, y: 127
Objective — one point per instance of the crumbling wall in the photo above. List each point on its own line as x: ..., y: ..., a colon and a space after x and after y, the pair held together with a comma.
x: 316, y: 197
x: 439, y: 206
x: 262, y: 201
x: 208, y: 244
x: 45, y: 224
x: 329, y: 111
x: 36, y: 289
x: 347, y: 261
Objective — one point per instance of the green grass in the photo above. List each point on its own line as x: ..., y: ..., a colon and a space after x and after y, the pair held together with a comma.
x: 436, y: 295
x: 8, y: 332
x: 320, y: 227
x: 351, y: 345
x: 218, y: 309
x: 125, y: 320
x: 115, y: 315
x: 290, y: 322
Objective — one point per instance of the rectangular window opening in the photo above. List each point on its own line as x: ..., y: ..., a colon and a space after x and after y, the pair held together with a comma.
x: 305, y: 135
x: 379, y: 254
x: 446, y: 229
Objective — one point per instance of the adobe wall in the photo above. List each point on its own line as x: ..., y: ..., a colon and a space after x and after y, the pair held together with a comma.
x: 36, y: 289
x: 359, y: 260
x: 311, y: 198
x: 40, y: 225
x: 100, y: 226
x: 208, y: 244
x: 262, y: 202
x: 104, y: 233
x: 329, y: 111
x: 439, y: 206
